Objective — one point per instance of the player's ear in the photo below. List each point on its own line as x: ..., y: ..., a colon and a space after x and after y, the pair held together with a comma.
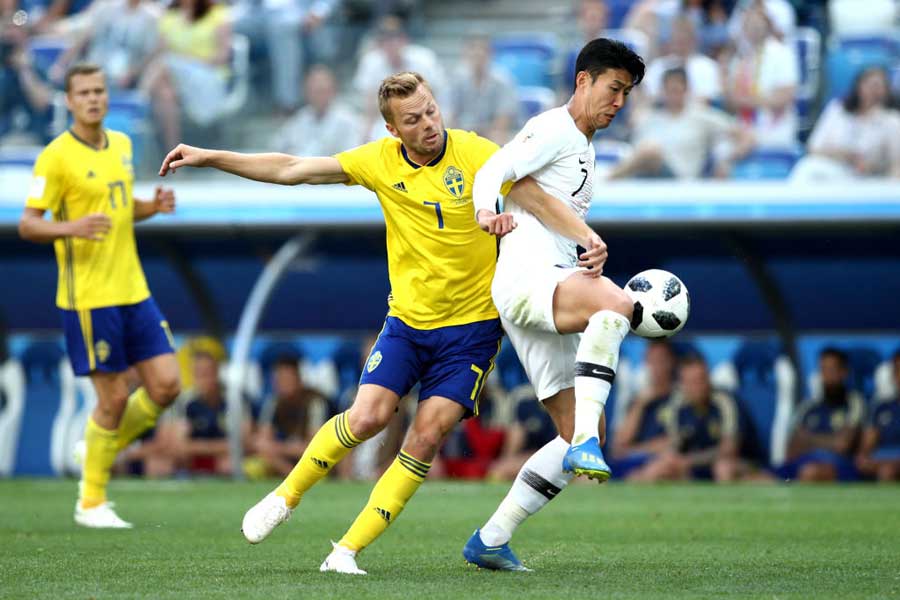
x: 391, y: 129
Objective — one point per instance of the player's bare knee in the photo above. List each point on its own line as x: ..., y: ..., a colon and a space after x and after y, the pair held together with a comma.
x: 366, y: 423
x: 164, y: 390
x: 422, y: 443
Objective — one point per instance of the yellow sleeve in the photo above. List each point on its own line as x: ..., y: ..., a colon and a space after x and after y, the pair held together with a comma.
x: 48, y: 182
x: 481, y: 150
x: 359, y: 163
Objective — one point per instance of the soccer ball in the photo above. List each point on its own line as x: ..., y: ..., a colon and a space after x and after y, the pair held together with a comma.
x: 661, y: 303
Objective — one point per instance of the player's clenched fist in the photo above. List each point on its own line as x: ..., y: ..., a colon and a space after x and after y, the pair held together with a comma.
x: 164, y: 200
x: 495, y: 224
x: 91, y: 227
x: 183, y: 156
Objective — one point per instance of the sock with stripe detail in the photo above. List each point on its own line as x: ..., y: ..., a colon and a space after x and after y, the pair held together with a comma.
x: 393, y: 490
x: 595, y: 369
x: 329, y: 446
x: 141, y: 413
x: 101, y: 447
x: 540, y: 479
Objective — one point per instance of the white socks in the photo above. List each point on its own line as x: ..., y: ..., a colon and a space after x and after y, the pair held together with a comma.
x: 595, y: 369
x: 538, y: 482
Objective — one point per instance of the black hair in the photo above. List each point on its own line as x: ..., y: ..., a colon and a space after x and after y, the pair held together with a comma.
x: 851, y: 101
x: 837, y: 353
x: 602, y: 54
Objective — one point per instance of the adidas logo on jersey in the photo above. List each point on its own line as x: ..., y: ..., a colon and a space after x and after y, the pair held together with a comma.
x: 385, y: 514
x: 399, y: 186
x: 319, y: 462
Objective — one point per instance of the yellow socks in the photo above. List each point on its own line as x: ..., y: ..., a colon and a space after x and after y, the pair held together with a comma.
x: 393, y: 490
x: 101, y: 448
x: 140, y: 415
x: 329, y: 446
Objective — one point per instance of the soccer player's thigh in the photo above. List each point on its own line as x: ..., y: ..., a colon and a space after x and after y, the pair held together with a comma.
x: 95, y: 344
x: 393, y: 367
x: 580, y: 296
x: 549, y: 361
x: 150, y: 347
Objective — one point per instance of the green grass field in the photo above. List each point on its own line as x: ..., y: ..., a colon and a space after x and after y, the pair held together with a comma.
x: 612, y: 541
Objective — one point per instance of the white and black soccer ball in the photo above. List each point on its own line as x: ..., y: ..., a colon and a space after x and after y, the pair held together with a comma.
x: 661, y: 303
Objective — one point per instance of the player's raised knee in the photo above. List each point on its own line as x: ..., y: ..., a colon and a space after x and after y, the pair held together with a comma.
x: 620, y: 302
x: 165, y: 389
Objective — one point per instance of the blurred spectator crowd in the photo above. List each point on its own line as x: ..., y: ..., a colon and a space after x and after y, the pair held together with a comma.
x: 805, y: 89
x: 677, y: 422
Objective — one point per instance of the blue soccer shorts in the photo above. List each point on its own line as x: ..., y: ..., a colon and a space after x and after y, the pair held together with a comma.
x: 452, y: 362
x: 112, y: 338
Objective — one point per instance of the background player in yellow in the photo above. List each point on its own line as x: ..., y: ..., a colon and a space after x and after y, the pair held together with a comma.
x: 442, y: 329
x: 84, y: 178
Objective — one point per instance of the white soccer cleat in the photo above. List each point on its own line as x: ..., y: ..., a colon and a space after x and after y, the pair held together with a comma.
x: 100, y: 517
x: 264, y: 516
x: 341, y: 560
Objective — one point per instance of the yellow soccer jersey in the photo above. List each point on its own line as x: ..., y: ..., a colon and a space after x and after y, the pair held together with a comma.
x: 439, y: 262
x: 72, y: 179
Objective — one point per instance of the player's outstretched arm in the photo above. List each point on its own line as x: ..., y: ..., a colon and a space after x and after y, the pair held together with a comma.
x: 34, y: 228
x: 271, y: 167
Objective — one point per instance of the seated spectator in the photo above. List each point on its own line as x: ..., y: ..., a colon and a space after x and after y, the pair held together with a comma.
x: 22, y: 92
x: 781, y: 15
x: 702, y: 72
x: 190, y: 73
x: 710, y: 18
x: 120, y: 37
x: 856, y: 137
x: 703, y: 433
x: 825, y: 428
x: 197, y: 440
x: 288, y: 419
x: 676, y: 139
x: 643, y: 434
x: 530, y: 431
x: 761, y: 82
x: 391, y: 54
x: 484, y: 99
x: 879, y: 453
x: 323, y: 127
x: 296, y: 34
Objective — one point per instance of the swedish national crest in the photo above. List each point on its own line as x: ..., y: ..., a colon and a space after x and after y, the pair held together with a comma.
x: 454, y: 181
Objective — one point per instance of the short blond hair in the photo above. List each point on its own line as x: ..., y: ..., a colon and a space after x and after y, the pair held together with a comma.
x: 398, y: 85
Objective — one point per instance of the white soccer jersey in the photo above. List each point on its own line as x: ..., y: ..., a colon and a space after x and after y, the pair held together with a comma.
x: 560, y: 158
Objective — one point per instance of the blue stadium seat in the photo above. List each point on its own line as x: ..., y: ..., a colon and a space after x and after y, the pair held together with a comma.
x: 528, y: 58
x: 847, y: 56
x: 757, y: 394
x: 618, y: 10
x: 766, y: 163
x: 40, y: 362
x: 129, y: 112
x: 534, y: 100
x: 864, y: 360
x: 45, y: 51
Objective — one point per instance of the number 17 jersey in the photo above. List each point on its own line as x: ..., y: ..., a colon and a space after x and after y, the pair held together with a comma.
x: 73, y: 179
x: 440, y: 263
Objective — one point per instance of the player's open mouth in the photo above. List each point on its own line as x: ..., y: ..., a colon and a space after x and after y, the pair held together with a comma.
x: 432, y: 138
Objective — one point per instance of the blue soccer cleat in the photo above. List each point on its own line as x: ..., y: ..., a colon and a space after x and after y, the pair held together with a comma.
x: 587, y: 459
x: 497, y: 558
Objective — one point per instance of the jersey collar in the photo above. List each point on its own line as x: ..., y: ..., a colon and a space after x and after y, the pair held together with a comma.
x: 433, y: 162
x: 105, y: 141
